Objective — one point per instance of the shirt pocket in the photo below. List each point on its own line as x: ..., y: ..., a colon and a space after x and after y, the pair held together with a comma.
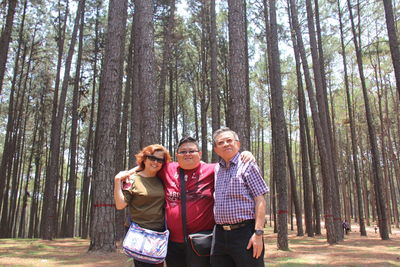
x: 237, y: 187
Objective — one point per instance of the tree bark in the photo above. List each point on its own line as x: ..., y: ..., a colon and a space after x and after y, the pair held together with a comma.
x: 377, y: 172
x: 393, y: 41
x: 71, y: 197
x: 279, y: 133
x: 6, y: 161
x: 146, y: 79
x: 49, y: 207
x: 103, y: 220
x: 322, y: 146
x: 86, y: 181
x: 323, y: 112
x: 293, y: 187
x: 5, y: 39
x: 305, y: 169
x: 166, y: 58
x: 238, y: 104
x: 135, y: 139
x: 215, y: 92
x: 363, y: 232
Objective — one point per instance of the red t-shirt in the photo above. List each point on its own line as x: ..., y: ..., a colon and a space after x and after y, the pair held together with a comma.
x: 199, y: 199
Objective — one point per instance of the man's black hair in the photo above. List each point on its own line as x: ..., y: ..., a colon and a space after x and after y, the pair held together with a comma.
x: 187, y: 139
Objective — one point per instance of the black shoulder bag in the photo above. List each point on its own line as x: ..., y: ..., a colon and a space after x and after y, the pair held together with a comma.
x: 199, y: 242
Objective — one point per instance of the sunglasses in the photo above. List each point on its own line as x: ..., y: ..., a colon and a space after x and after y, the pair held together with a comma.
x: 155, y: 159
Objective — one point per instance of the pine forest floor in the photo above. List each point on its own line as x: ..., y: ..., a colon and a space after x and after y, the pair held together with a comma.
x: 304, y: 251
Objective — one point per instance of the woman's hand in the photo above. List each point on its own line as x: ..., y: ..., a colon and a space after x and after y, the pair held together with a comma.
x: 120, y: 178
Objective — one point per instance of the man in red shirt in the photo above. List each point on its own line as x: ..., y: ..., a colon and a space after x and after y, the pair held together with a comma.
x: 199, y: 181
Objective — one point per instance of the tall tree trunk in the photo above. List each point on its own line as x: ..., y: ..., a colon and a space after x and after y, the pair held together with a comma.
x: 394, y: 163
x: 6, y: 160
x: 135, y: 139
x: 61, y: 211
x: 322, y: 146
x: 215, y: 105
x: 26, y: 194
x: 385, y: 165
x: 86, y: 181
x: 38, y: 150
x: 120, y: 217
x: 5, y: 39
x: 363, y: 232
x: 49, y: 207
x: 238, y: 104
x: 377, y: 172
x: 166, y: 59
x: 71, y: 197
x: 103, y: 228
x: 146, y: 79
x: 393, y: 41
x: 177, y: 95
x: 205, y: 90
x: 171, y: 108
x: 307, y: 189
x: 323, y: 112
x: 20, y: 113
x: 293, y: 186
x: 278, y: 129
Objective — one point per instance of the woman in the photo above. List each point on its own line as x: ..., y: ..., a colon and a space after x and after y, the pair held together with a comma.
x: 142, y: 191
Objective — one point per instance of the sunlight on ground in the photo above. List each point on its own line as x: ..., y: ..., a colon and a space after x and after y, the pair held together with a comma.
x: 304, y: 251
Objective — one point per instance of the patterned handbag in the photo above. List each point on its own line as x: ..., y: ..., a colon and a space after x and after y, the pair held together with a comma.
x: 145, y: 245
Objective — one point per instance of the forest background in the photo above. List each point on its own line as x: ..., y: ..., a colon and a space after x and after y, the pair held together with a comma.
x: 311, y: 87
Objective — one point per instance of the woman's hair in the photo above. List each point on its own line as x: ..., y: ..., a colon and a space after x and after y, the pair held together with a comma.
x: 149, y: 150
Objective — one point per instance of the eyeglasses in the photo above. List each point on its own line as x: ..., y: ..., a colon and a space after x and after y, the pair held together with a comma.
x: 190, y: 152
x: 228, y: 141
x: 155, y: 159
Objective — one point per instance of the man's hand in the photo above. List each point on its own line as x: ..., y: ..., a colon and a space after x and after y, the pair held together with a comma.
x: 257, y: 243
x: 247, y: 156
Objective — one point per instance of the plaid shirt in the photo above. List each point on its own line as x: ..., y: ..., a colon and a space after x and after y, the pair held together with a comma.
x: 235, y: 190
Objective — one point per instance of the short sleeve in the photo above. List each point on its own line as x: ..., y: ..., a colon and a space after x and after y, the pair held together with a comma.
x: 255, y: 181
x: 129, y: 193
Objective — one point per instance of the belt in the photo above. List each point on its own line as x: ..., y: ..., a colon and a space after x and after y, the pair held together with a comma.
x: 230, y: 227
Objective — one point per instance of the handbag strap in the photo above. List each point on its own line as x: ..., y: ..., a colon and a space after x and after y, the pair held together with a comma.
x: 183, y: 202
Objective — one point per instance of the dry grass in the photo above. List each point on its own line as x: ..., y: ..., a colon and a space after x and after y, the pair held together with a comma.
x: 354, y: 250
x: 304, y: 251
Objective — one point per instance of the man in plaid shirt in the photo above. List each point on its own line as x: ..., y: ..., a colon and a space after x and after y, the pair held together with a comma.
x: 239, y: 206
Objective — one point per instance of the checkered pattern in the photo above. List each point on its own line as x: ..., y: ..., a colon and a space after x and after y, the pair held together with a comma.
x: 235, y: 190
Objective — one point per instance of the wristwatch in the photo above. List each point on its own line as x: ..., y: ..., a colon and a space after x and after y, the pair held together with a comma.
x: 259, y: 232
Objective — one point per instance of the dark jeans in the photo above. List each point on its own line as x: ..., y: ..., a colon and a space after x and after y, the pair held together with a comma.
x: 177, y: 256
x: 229, y: 248
x: 145, y: 264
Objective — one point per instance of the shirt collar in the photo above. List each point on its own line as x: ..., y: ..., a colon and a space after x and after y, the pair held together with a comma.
x: 233, y: 161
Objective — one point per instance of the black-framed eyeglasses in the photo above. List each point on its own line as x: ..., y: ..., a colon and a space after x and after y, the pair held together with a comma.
x: 190, y: 152
x: 155, y: 159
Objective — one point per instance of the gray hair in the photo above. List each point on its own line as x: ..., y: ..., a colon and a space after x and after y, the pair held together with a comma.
x: 222, y: 130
